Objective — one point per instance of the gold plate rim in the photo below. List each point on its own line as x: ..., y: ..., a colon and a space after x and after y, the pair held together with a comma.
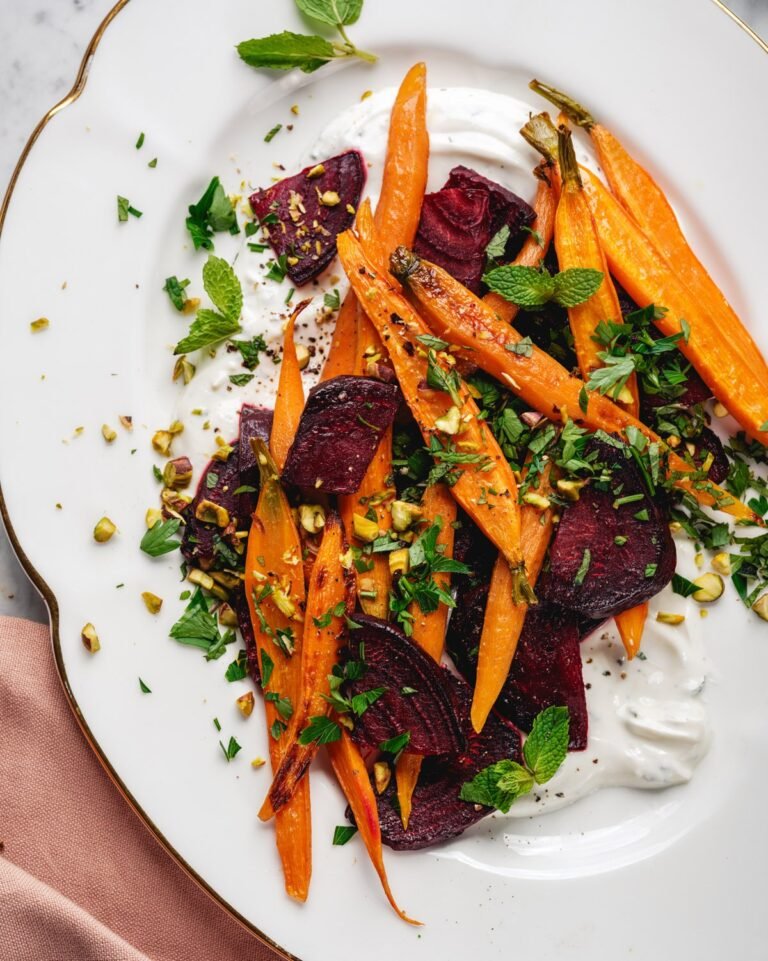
x: 37, y: 579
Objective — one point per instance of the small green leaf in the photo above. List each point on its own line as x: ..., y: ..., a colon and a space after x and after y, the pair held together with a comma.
x: 240, y: 380
x: 176, y: 291
x: 267, y: 666
x: 223, y: 287
x: 343, y: 833
x: 158, y: 539
x: 396, y: 744
x: 546, y: 746
x: 207, y: 329
x: 286, y: 50
x: 524, y: 286
x: 486, y: 786
x: 523, y: 347
x: 583, y: 400
x: 231, y: 749
x: 321, y: 729
x: 332, y: 299
x: 575, y: 285
x: 332, y: 12
x: 682, y: 586
x: 143, y: 687
x: 586, y: 560
x: 238, y: 669
x: 498, y: 244
x: 270, y: 136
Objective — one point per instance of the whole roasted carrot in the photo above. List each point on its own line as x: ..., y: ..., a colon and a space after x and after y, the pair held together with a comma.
x: 448, y: 418
x: 328, y: 601
x: 646, y: 203
x: 647, y: 277
x: 429, y: 629
x: 455, y: 313
x: 271, y: 565
x: 290, y: 395
x: 503, y: 622
x: 534, y: 247
x: 349, y: 768
x: 578, y: 245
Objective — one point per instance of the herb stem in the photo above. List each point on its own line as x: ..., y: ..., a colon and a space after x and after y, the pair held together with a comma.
x: 573, y: 110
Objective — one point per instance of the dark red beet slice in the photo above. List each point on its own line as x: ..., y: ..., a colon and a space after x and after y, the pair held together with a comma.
x: 254, y: 422
x: 454, y: 230
x: 312, y: 208
x: 589, y: 573
x: 438, y: 814
x: 239, y: 603
x: 709, y: 443
x: 394, y: 662
x: 546, y: 670
x: 218, y: 484
x: 505, y: 207
x: 339, y: 431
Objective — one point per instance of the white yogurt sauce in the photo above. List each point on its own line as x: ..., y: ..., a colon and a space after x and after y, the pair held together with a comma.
x: 648, y: 725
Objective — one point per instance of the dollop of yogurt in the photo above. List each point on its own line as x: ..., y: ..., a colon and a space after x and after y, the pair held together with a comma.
x: 648, y: 725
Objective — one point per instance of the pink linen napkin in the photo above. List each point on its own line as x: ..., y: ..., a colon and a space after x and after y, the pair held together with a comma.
x: 81, y: 878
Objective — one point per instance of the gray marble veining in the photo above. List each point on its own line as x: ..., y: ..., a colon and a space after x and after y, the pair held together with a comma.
x: 43, y: 43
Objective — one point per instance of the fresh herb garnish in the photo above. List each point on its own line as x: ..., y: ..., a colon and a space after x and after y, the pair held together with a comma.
x: 231, y: 750
x: 586, y: 560
x: 320, y: 730
x: 535, y: 286
x: 286, y: 50
x: 240, y: 380
x: 209, y: 326
x: 497, y: 246
x: 124, y: 209
x: 325, y: 619
x: 175, y: 289
x: 332, y: 299
x: 343, y: 833
x: 159, y: 539
x: 441, y: 379
x: 143, y: 687
x: 250, y: 350
x: 238, y: 669
x: 278, y: 268
x: 140, y: 141
x: 213, y: 213
x: 267, y: 666
x: 499, y: 785
x: 270, y: 136
x: 396, y: 744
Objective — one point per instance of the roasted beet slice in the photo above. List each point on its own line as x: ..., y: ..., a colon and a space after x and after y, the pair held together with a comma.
x: 207, y: 545
x: 454, y: 230
x: 438, y: 814
x: 239, y: 604
x: 590, y: 572
x: 339, y: 431
x: 709, y: 443
x: 396, y: 663
x: 313, y: 207
x: 504, y: 206
x: 255, y: 422
x: 546, y: 670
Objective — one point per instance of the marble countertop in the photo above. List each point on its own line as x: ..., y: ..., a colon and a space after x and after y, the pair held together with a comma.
x: 44, y: 41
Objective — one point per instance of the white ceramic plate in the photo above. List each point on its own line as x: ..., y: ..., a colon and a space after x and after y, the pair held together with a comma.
x: 641, y: 875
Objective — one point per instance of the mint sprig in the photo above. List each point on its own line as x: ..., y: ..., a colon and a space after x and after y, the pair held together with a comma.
x: 499, y: 785
x: 308, y: 52
x: 210, y: 326
x: 535, y: 286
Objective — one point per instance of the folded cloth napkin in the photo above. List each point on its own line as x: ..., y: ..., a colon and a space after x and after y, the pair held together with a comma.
x: 81, y: 878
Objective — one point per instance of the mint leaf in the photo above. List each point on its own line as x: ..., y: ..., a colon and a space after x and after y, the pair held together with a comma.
x: 498, y: 786
x: 332, y: 12
x: 223, y: 287
x: 343, y: 833
x: 497, y: 246
x: 546, y: 746
x: 575, y: 285
x: 250, y: 350
x: 159, y: 538
x: 208, y: 328
x: 524, y: 286
x: 286, y: 50
x: 213, y: 212
x: 240, y: 380
x: 320, y: 730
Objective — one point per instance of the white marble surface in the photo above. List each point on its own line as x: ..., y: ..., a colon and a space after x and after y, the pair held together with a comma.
x: 43, y: 43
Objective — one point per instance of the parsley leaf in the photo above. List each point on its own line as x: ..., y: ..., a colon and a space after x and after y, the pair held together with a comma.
x: 238, y: 669
x: 396, y: 744
x: 143, y: 687
x: 682, y: 586
x: 497, y: 246
x: 240, y: 380
x: 212, y: 213
x: 250, y: 350
x: 124, y: 208
x: 441, y: 379
x: 321, y: 729
x: 231, y: 749
x: 158, y: 539
x: 175, y: 289
x: 332, y: 299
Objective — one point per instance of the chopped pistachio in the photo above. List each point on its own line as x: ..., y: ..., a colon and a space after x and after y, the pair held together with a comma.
x: 90, y: 638
x: 312, y: 517
x: 364, y: 529
x: 719, y: 410
x: 126, y: 421
x: 183, y: 369
x: 211, y: 513
x: 245, y: 703
x: 258, y: 762
x: 722, y: 563
x: 536, y: 500
x: 329, y: 198
x: 663, y: 617
x: 698, y: 559
x: 226, y: 579
x: 227, y: 616
x: 161, y: 441
x: 399, y: 562
x: 103, y: 530
x: 201, y: 579
x: 317, y: 171
x: 570, y: 489
x: 347, y: 559
x: 152, y: 602
x: 404, y: 515
x: 450, y: 422
x: 174, y: 501
x: 295, y: 109
x: 625, y: 396
x: 302, y: 356
x: 760, y: 607
x: 283, y: 602
x: 176, y: 427
x: 153, y: 515
x: 223, y: 449
x: 108, y: 433
x: 177, y: 473
x: 675, y: 527
x: 710, y: 588
x: 190, y: 305
x: 42, y: 323
x: 673, y: 441
x: 382, y: 774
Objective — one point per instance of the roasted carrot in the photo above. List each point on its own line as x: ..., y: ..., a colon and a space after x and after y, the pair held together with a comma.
x: 503, y: 622
x: 534, y: 247
x: 328, y: 600
x: 649, y: 279
x: 349, y: 768
x: 630, y: 625
x: 455, y: 313
x: 273, y: 548
x: 341, y: 353
x: 290, y: 395
x: 429, y: 629
x: 485, y: 485
x: 646, y: 203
